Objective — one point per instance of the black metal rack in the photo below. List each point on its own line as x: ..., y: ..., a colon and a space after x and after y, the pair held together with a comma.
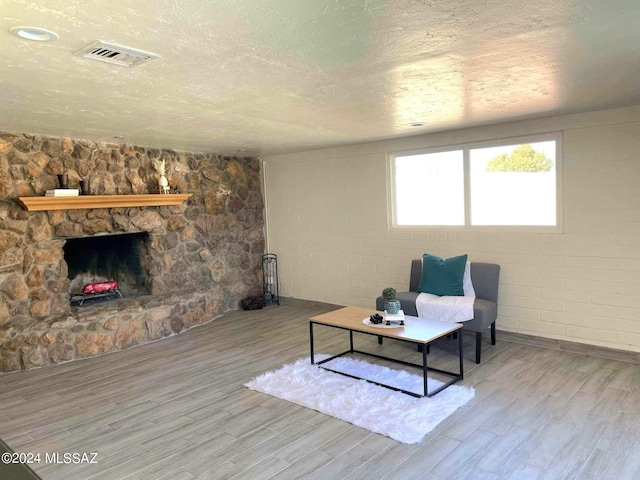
x: 270, y: 287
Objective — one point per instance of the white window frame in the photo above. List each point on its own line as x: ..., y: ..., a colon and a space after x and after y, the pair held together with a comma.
x: 466, y: 148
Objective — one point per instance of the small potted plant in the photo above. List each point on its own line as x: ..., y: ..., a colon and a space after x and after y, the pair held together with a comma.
x: 391, y: 304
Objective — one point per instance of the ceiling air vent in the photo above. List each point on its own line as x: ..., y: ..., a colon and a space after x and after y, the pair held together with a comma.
x: 116, y: 54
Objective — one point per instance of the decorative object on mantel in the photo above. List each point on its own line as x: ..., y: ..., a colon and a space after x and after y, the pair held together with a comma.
x: 270, y: 278
x: 84, y: 187
x: 63, y: 180
x: 163, y: 183
x: 35, y: 204
x: 62, y: 192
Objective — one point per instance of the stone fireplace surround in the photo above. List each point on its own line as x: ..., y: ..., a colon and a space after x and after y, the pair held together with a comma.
x: 205, y: 254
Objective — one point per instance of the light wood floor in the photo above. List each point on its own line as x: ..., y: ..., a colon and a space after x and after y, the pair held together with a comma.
x: 177, y: 409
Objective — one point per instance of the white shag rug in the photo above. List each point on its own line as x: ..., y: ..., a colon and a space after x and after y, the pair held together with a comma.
x: 402, y: 417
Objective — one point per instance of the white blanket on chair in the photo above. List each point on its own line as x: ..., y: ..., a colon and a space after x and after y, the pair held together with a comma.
x: 445, y: 309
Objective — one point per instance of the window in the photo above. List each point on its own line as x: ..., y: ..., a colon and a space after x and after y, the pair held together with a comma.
x: 512, y: 183
x: 430, y: 179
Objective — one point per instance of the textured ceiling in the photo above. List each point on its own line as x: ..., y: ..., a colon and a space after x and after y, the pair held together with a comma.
x: 281, y: 75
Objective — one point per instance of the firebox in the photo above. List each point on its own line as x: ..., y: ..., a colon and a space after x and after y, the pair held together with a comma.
x: 119, y: 258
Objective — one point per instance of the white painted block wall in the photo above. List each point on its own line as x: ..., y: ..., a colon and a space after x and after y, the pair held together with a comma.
x: 327, y: 221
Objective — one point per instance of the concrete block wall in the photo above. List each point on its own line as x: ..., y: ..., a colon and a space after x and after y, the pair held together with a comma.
x: 327, y: 216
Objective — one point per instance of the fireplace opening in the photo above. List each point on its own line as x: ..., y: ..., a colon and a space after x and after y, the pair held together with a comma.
x: 107, y: 258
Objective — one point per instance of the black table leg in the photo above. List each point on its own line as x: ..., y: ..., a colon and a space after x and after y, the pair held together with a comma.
x: 424, y: 370
x: 311, y: 340
x: 460, y: 355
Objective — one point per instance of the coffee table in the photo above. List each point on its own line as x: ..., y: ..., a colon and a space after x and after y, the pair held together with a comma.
x: 418, y: 331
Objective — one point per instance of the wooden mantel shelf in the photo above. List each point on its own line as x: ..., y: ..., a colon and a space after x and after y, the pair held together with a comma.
x: 34, y: 204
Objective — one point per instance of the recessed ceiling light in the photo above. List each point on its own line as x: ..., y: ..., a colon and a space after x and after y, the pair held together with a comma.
x: 35, y: 34
x: 416, y: 124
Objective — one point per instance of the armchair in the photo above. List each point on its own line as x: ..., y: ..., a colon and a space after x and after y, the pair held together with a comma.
x: 485, y: 278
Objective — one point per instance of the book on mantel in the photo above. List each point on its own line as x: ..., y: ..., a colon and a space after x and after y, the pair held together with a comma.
x: 62, y: 192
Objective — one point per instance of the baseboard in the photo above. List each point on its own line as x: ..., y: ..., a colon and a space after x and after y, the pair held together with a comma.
x: 314, y: 303
x: 567, y: 346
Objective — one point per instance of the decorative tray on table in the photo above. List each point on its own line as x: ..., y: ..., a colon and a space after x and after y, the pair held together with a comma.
x: 387, y: 321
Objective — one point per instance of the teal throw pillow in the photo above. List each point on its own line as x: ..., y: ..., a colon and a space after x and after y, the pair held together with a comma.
x: 442, y: 277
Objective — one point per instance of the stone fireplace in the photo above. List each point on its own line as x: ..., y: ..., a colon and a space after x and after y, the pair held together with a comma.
x: 180, y: 266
